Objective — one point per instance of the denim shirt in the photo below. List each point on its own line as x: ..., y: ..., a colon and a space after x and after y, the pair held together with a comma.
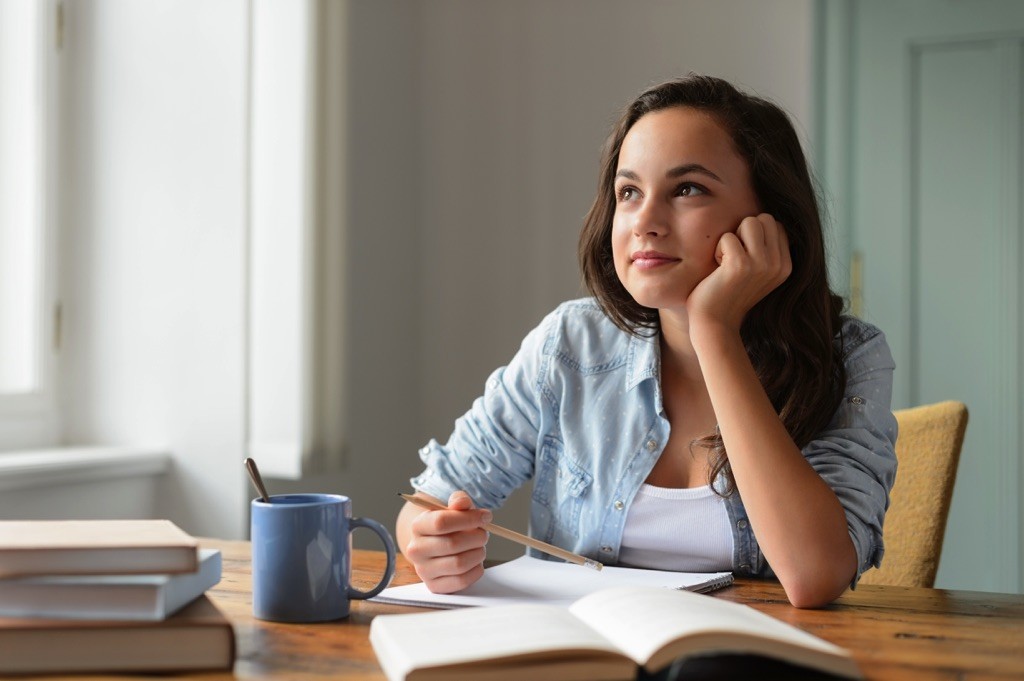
x: 579, y: 411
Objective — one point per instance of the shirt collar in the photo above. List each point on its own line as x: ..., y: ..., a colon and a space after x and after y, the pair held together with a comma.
x: 644, y: 359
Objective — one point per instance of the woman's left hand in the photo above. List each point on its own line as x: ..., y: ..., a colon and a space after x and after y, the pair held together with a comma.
x: 752, y: 262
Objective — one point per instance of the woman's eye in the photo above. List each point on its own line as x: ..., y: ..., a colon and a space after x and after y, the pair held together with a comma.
x: 690, y: 189
x: 626, y: 193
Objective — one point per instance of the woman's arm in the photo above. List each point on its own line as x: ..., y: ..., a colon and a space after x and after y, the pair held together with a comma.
x: 489, y: 454
x: 796, y: 517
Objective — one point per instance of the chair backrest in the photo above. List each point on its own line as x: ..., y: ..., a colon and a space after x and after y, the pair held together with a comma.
x: 928, y: 451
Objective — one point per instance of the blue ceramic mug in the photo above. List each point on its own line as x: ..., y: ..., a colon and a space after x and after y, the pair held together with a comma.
x: 302, y: 557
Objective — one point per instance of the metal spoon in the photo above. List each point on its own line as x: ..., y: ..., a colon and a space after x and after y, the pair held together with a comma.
x: 254, y: 474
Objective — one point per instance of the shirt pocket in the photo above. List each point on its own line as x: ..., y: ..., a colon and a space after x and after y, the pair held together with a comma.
x: 560, y: 489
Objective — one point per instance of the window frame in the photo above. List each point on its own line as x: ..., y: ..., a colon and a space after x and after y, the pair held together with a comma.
x: 31, y: 419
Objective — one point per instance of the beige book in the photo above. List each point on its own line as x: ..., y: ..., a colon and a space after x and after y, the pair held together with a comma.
x: 604, y: 636
x: 87, y: 547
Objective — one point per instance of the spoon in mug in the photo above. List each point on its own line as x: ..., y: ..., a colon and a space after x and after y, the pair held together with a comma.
x: 254, y: 474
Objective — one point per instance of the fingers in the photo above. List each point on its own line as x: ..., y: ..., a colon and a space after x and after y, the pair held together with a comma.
x: 753, y: 261
x: 448, y: 562
x: 452, y: 583
x: 452, y: 520
x: 752, y: 233
x: 448, y: 554
x: 729, y: 248
x: 760, y: 237
x: 459, y: 500
x: 457, y: 517
x: 770, y: 230
x: 447, y: 547
x: 776, y: 251
x: 763, y: 247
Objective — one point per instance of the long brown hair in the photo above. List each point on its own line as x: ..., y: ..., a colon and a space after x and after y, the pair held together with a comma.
x: 790, y: 334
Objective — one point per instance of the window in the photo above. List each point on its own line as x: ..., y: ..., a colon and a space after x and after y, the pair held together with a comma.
x: 28, y: 41
x: 296, y: 293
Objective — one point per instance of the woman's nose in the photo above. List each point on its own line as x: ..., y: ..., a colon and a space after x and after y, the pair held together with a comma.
x: 651, y: 220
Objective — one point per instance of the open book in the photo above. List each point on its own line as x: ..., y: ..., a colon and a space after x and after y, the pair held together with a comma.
x: 533, y: 580
x: 604, y: 637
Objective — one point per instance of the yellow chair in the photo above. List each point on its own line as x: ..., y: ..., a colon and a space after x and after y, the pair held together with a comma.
x: 928, y: 451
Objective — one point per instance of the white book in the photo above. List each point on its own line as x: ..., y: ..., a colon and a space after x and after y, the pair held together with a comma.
x: 604, y: 636
x: 533, y: 580
x: 103, y: 597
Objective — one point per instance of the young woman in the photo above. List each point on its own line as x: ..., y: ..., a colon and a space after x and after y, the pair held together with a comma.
x: 708, y: 408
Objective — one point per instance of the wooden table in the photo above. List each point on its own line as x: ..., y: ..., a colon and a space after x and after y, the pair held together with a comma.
x: 893, y: 632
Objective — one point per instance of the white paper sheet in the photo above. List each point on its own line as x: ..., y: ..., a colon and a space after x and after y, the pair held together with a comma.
x: 533, y: 580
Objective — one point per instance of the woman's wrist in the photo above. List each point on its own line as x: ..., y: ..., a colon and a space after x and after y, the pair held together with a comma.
x: 709, y: 335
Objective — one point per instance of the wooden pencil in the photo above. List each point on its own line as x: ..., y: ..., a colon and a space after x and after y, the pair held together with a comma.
x: 433, y: 504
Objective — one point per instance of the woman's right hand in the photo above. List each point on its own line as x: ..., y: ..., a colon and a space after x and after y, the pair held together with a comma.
x: 447, y: 548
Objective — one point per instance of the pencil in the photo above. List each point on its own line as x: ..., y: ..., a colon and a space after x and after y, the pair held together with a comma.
x: 433, y: 504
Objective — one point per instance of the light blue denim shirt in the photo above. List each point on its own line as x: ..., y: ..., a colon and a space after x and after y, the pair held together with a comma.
x: 579, y: 410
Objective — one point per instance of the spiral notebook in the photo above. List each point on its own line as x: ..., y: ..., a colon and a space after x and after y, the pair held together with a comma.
x: 533, y: 580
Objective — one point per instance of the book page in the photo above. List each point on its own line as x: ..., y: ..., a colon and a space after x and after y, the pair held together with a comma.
x: 415, y: 641
x: 532, y: 580
x: 642, y: 621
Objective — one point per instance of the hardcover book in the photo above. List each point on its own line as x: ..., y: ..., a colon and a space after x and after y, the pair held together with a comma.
x: 128, y: 597
x: 198, y: 637
x: 79, y: 547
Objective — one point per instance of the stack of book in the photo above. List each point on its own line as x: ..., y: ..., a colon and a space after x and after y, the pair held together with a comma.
x: 108, y: 596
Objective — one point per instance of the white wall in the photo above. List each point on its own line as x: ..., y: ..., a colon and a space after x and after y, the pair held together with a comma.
x: 153, y: 229
x: 475, y: 129
x: 515, y: 101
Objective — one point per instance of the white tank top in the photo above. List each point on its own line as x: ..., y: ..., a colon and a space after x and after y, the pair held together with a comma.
x: 686, y: 530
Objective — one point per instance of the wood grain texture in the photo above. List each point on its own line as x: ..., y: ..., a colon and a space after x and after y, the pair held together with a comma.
x: 893, y: 632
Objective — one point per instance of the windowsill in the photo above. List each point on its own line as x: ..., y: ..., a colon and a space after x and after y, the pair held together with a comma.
x: 64, y: 465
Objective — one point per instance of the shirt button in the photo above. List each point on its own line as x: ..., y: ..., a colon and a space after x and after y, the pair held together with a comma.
x: 619, y: 505
x: 742, y: 524
x: 857, y: 400
x: 606, y: 549
x: 493, y: 384
x: 651, y: 445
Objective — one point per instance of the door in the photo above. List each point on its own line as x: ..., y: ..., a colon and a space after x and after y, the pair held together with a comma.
x: 922, y: 138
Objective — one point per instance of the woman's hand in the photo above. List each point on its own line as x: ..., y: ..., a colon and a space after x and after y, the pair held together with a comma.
x: 752, y: 262
x: 447, y: 548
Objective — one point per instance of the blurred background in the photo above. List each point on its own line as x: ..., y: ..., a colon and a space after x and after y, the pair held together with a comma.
x: 308, y: 230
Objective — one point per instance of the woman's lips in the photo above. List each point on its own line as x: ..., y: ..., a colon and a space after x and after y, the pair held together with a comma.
x: 647, y: 260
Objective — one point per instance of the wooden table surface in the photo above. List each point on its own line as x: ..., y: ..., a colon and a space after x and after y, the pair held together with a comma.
x: 893, y: 632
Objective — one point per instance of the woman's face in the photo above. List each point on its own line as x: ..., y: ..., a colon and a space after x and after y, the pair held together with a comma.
x: 679, y: 186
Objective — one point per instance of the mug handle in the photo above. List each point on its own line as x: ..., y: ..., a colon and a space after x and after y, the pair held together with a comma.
x: 389, y: 547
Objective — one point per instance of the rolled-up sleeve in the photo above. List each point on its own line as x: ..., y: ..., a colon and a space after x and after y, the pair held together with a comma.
x: 491, y: 450
x: 856, y: 454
